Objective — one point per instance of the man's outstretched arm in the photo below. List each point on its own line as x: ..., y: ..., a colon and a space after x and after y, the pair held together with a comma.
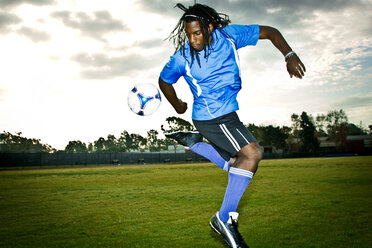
x: 171, y: 96
x: 294, y: 65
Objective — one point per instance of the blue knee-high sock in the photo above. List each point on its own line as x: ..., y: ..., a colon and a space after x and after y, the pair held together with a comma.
x: 238, y: 182
x: 210, y: 153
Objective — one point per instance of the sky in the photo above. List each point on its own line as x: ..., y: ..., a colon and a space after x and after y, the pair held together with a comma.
x: 67, y: 66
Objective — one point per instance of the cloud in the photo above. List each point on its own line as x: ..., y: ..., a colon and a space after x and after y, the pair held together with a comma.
x: 94, y: 26
x: 165, y: 8
x: 3, y: 92
x: 281, y: 13
x: 358, y: 108
x: 149, y: 43
x: 7, y: 19
x: 34, y: 34
x: 15, y: 3
x: 102, y: 66
x: 354, y: 102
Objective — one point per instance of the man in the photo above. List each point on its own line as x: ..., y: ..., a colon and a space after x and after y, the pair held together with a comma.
x: 206, y: 56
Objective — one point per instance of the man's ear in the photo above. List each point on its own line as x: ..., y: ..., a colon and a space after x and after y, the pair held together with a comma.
x: 210, y: 28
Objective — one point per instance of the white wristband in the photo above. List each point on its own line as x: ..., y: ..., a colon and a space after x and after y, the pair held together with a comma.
x: 289, y: 55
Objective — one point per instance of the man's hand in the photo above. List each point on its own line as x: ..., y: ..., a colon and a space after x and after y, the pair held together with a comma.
x: 182, y: 107
x: 295, y: 67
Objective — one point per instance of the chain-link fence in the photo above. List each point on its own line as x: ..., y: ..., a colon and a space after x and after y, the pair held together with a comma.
x: 46, y: 159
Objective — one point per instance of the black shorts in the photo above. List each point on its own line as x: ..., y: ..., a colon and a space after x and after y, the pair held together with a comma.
x: 227, y: 134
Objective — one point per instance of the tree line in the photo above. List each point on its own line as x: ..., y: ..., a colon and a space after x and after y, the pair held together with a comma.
x: 301, y: 136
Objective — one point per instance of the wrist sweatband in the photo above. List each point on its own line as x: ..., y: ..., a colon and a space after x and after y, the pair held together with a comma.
x: 289, y: 55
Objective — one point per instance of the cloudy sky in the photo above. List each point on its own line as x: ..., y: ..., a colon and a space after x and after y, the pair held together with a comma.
x: 67, y: 65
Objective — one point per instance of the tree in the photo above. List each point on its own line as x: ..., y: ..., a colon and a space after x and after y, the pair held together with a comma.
x: 17, y: 143
x: 321, y: 124
x: 111, y: 144
x: 287, y: 131
x: 153, y: 141
x: 90, y: 147
x: 272, y: 136
x: 76, y: 147
x: 176, y: 124
x: 294, y: 142
x: 99, y: 144
x: 137, y: 142
x: 307, y: 134
x: 337, y: 127
x: 165, y: 143
x: 125, y: 141
x: 269, y: 135
x: 353, y: 129
x: 254, y: 131
x: 296, y: 123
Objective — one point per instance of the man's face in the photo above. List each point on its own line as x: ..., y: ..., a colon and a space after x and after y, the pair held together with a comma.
x: 195, y: 35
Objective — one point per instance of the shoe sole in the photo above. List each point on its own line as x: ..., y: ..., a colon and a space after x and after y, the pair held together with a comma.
x: 214, y: 229
x: 181, y: 132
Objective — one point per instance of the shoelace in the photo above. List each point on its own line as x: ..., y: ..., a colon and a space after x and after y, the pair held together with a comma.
x: 235, y: 226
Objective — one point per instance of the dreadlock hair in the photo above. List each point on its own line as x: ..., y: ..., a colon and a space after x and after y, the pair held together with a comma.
x: 205, y: 15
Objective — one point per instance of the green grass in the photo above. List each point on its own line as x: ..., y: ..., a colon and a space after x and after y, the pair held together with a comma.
x: 312, y: 202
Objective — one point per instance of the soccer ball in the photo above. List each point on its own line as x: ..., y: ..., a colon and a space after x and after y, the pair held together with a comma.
x: 144, y: 99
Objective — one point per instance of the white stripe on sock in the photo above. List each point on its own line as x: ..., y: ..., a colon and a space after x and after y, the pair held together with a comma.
x: 241, y: 172
x: 226, y: 166
x: 230, y: 137
x: 244, y: 175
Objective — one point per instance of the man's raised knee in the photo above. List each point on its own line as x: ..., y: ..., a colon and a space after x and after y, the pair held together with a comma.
x: 258, y: 155
x: 255, y: 152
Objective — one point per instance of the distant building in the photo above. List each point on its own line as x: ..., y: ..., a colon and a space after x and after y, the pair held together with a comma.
x: 326, y: 145
x: 359, y: 144
x: 356, y: 144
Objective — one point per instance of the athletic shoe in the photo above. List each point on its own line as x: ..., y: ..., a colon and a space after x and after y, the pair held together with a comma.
x: 229, y: 231
x: 187, y: 139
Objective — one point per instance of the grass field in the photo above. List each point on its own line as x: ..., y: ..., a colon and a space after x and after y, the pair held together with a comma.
x: 312, y: 202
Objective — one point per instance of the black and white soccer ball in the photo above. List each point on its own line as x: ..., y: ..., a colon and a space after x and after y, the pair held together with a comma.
x: 144, y: 99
